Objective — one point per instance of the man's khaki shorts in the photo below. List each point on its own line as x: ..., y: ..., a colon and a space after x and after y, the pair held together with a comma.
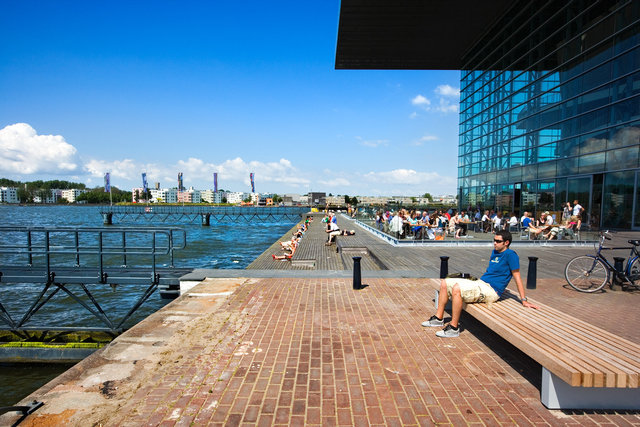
x: 473, y: 290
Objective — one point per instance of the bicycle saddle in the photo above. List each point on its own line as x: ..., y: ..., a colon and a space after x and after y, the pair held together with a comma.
x: 635, y: 242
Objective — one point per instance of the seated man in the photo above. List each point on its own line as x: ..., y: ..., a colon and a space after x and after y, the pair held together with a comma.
x: 333, y: 230
x: 503, y: 265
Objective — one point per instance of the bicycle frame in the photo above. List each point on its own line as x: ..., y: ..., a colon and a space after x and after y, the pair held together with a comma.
x: 625, y: 274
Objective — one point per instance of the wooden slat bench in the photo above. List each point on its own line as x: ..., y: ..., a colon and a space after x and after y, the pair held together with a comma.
x: 583, y: 366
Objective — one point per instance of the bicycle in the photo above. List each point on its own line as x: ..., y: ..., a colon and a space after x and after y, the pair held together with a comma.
x: 590, y: 273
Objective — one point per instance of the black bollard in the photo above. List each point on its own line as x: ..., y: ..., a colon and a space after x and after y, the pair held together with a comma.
x: 357, y: 280
x: 532, y: 273
x: 444, y: 266
x: 616, y: 282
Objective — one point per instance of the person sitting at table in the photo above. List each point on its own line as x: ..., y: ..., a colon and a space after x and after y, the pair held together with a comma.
x: 544, y: 225
x: 513, y: 222
x: 497, y: 222
x: 462, y: 220
x: 568, y: 227
x: 486, y: 222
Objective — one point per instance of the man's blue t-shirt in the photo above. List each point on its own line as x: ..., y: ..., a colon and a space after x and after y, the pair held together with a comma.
x: 526, y: 222
x: 501, y: 264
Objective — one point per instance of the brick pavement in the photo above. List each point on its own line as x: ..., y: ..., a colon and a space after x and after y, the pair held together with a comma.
x: 316, y: 352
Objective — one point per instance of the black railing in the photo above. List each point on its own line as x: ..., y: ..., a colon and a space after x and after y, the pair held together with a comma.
x: 53, y: 258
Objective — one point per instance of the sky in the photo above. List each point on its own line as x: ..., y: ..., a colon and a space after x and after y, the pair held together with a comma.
x: 208, y: 86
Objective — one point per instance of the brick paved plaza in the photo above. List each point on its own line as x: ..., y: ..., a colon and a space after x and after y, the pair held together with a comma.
x: 316, y: 352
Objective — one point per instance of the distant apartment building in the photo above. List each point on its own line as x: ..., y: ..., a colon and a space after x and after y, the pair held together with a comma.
x: 50, y: 196
x: 189, y: 196
x: 137, y: 195
x: 72, y: 194
x: 211, y: 196
x: 164, y: 195
x: 317, y: 199
x: 8, y: 195
x: 237, y: 197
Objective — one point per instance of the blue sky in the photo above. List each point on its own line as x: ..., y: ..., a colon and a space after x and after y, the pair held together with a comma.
x: 201, y: 87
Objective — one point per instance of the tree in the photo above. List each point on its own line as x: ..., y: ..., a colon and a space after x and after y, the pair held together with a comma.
x: 347, y: 199
x: 354, y: 201
x: 276, y: 198
x: 24, y: 195
x: 427, y: 196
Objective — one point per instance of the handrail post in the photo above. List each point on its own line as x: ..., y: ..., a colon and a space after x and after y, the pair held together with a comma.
x: 153, y: 255
x: 124, y: 248
x: 77, y: 249
x: 100, y: 255
x: 47, y: 252
x: 29, y: 248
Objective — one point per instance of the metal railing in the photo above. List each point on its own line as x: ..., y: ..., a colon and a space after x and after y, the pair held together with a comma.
x: 36, y: 246
x: 51, y: 258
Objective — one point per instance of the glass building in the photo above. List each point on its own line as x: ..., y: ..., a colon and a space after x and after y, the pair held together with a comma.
x: 550, y: 94
x: 550, y: 112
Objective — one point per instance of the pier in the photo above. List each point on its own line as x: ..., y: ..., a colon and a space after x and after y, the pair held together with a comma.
x: 204, y: 213
x: 292, y: 343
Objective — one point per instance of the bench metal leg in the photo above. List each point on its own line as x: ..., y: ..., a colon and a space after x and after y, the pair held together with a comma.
x: 435, y: 301
x: 557, y: 394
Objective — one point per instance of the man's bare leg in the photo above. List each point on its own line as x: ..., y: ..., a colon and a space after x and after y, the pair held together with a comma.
x: 456, y: 305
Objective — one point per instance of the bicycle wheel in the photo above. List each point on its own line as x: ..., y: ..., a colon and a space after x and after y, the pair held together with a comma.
x: 634, y: 272
x: 586, y: 273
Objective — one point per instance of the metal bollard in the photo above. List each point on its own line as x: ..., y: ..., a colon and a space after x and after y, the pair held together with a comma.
x: 532, y: 273
x: 357, y: 280
x: 444, y: 266
x: 616, y: 282
x: 618, y: 263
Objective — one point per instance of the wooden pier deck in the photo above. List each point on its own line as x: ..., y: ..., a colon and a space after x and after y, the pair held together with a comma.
x: 379, y: 255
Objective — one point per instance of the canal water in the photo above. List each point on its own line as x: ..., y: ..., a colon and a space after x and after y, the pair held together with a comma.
x: 226, y: 245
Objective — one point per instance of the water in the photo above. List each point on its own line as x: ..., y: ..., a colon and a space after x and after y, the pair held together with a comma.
x: 221, y: 246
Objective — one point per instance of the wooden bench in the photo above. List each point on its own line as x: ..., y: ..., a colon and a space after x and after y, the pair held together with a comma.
x: 583, y: 366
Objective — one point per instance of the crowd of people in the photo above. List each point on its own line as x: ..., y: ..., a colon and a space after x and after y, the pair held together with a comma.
x: 289, y: 246
x: 416, y: 224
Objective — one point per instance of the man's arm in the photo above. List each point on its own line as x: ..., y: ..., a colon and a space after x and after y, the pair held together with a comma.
x: 518, y: 279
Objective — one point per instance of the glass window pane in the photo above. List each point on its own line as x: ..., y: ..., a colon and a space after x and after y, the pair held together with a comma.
x: 592, y: 162
x: 618, y: 196
x: 623, y: 158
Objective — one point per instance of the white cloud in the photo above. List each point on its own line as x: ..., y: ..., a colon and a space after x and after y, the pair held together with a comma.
x: 445, y: 106
x: 372, y: 142
x: 421, y: 101
x: 424, y: 139
x: 23, y: 151
x: 232, y: 173
x: 126, y: 169
x: 446, y: 103
x: 336, y: 182
x: 409, y: 177
x: 446, y: 90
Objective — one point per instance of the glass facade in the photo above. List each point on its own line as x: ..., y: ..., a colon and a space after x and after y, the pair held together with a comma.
x: 550, y: 112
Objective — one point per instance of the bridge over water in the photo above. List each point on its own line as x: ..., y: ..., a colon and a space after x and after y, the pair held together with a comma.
x: 205, y: 213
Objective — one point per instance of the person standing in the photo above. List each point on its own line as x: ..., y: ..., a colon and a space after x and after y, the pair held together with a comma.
x: 577, y: 209
x: 567, y: 211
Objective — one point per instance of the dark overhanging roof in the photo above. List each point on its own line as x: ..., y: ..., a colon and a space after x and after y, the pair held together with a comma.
x: 412, y: 34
